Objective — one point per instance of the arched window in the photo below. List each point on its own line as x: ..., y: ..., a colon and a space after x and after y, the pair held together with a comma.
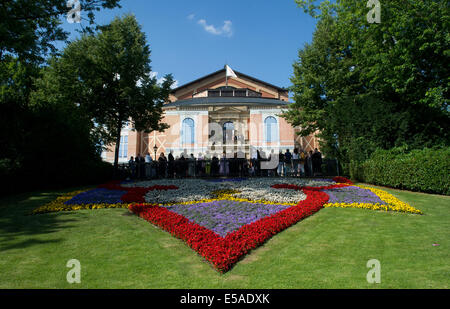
x: 271, y: 129
x: 228, y: 132
x: 123, y: 147
x: 188, y: 131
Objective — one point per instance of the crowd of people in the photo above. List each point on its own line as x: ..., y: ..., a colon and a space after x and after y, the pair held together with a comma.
x: 296, y: 164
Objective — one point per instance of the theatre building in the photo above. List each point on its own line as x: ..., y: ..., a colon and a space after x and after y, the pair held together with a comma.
x: 226, y: 111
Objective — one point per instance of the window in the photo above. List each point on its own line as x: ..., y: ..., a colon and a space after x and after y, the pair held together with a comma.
x: 188, y: 132
x: 271, y: 128
x: 214, y: 93
x: 123, y: 148
x: 228, y: 132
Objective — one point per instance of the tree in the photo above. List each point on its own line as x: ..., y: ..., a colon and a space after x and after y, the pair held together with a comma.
x: 29, y: 28
x: 365, y: 86
x: 108, y: 76
x: 15, y: 88
x: 46, y: 139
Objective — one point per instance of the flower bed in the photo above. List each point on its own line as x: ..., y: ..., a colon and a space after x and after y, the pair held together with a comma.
x: 352, y: 194
x: 367, y: 198
x: 267, y: 191
x: 224, y: 220
x: 110, y: 195
x: 248, y: 189
x: 97, y: 196
x: 340, y: 179
x: 224, y: 216
x: 224, y: 252
x: 344, y: 195
x: 135, y: 193
x: 61, y: 204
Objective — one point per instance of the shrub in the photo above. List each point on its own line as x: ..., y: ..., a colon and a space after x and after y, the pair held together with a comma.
x: 425, y: 170
x: 19, y: 179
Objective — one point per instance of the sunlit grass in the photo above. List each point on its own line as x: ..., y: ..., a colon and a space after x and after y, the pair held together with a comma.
x: 327, y: 250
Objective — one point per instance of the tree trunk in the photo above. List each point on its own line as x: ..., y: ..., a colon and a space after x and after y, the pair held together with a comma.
x: 116, y: 153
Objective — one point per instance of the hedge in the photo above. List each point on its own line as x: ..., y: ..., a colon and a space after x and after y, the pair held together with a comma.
x: 18, y: 179
x: 426, y: 170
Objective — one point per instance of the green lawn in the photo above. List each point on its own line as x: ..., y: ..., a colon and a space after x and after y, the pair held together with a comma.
x: 327, y: 250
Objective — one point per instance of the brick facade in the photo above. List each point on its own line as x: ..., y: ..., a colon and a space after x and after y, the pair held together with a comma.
x: 247, y: 123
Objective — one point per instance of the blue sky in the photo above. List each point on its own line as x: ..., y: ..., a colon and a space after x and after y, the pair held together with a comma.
x: 193, y: 38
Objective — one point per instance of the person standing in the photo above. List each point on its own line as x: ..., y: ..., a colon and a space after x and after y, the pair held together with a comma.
x: 181, y: 173
x: 252, y: 169
x: 295, y: 162
x: 309, y: 163
x: 137, y: 162
x: 272, y: 156
x: 148, y: 166
x: 199, y: 166
x: 258, y: 163
x: 191, y: 167
x: 208, y: 165
x: 142, y: 167
x: 162, y: 165
x: 132, y: 167
x: 171, y: 165
x: 317, y: 162
x: 288, y: 160
x: 214, y: 165
x: 302, y: 162
x: 281, y: 164
x: 224, y: 165
x: 253, y: 161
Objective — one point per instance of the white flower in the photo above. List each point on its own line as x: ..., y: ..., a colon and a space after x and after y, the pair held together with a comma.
x: 252, y: 189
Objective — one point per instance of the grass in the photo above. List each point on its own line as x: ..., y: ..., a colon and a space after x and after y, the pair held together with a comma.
x: 327, y: 250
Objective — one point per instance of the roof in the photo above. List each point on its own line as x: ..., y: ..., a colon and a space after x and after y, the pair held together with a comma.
x: 224, y: 70
x: 228, y: 101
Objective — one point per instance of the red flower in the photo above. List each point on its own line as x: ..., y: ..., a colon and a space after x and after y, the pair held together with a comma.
x: 295, y: 187
x: 223, y: 253
x: 341, y: 179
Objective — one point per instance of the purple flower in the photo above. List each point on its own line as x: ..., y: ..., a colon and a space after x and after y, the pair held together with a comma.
x: 226, y: 216
x: 352, y: 194
x: 97, y: 196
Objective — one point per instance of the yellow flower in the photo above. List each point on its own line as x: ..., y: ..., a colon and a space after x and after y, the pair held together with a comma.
x: 392, y: 203
x: 58, y: 205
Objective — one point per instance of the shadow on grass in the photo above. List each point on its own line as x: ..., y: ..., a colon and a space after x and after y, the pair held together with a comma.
x: 19, y: 229
x: 28, y: 243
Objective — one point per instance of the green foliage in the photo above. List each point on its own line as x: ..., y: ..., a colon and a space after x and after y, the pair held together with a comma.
x: 29, y: 28
x: 52, y: 147
x: 45, y: 144
x: 46, y: 141
x: 8, y: 168
x: 426, y: 170
x: 367, y: 86
x: 107, y: 76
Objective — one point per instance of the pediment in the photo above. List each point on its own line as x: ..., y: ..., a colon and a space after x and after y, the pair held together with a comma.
x: 217, y: 80
x: 228, y: 109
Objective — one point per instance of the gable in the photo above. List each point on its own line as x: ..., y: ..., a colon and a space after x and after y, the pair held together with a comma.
x: 217, y: 80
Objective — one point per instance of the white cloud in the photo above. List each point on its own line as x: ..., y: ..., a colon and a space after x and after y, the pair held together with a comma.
x: 225, y: 30
x: 161, y: 80
x: 153, y: 74
x: 191, y: 16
